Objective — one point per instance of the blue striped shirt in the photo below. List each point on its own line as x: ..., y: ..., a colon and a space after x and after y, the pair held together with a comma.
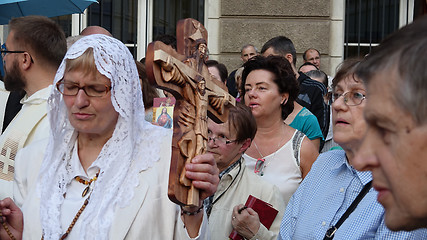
x: 323, y: 197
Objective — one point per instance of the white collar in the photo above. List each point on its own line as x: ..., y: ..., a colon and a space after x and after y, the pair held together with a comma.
x: 38, y: 97
x: 77, y: 168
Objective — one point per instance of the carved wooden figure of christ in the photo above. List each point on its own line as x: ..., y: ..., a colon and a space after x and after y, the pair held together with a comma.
x: 198, y: 95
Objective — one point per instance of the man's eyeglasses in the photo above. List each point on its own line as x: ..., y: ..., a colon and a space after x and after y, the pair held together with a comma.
x: 222, y: 140
x: 4, y: 51
x: 351, y: 98
x: 72, y: 89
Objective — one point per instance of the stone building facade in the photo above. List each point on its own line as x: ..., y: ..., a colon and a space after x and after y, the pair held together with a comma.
x: 319, y: 24
x: 309, y: 24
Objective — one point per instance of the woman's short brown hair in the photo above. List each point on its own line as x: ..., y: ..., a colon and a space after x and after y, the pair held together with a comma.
x: 345, y: 69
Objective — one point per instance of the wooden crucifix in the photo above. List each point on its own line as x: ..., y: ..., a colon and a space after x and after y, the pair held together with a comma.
x: 198, y: 95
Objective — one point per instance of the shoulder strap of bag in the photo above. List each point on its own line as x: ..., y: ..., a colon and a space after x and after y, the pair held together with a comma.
x: 331, y: 231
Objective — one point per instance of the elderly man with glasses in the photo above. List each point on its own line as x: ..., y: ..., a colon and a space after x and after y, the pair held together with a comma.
x: 335, y: 200
x: 227, y: 142
x: 395, y: 147
x: 31, y: 55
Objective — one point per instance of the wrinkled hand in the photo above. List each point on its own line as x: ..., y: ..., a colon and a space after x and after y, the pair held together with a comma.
x: 204, y: 174
x: 246, y: 223
x: 12, y: 216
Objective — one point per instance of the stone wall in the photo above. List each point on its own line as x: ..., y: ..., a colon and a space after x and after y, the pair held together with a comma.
x: 306, y: 23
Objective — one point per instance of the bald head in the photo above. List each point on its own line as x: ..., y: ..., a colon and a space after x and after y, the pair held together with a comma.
x: 95, y: 30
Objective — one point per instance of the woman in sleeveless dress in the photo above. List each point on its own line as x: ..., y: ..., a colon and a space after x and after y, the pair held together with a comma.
x: 279, y: 153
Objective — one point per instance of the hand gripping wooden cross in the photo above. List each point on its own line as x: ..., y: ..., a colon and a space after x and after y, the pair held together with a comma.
x: 198, y: 95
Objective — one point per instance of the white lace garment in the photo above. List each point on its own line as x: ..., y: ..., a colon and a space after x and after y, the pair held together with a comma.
x: 133, y: 147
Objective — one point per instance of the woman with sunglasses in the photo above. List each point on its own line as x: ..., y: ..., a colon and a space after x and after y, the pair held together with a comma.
x: 321, y: 208
x: 279, y: 153
x: 105, y: 170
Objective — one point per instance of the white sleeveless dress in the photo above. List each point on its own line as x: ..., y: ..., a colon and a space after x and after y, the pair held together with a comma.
x: 282, y: 168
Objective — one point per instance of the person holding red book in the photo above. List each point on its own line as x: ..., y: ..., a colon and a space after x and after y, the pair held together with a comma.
x: 227, y: 142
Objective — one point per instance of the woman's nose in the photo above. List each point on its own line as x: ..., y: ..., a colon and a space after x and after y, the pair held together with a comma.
x: 339, y: 104
x: 251, y: 93
x: 82, y: 100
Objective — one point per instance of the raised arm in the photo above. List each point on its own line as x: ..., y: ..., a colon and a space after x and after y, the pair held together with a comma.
x: 204, y: 173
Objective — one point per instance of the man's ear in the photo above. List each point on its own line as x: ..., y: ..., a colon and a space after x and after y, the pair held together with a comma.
x: 245, y: 146
x: 290, y: 58
x: 26, y: 61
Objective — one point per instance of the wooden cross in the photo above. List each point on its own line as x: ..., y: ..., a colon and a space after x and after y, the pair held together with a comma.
x: 198, y: 95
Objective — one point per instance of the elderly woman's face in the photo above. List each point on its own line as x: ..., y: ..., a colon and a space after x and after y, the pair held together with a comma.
x: 349, y: 126
x: 90, y: 115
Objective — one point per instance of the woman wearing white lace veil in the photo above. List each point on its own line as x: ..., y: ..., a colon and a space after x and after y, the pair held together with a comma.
x: 103, y: 160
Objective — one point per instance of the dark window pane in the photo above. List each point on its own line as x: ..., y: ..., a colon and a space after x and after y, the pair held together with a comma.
x: 355, y: 51
x: 100, y: 15
x: 368, y: 22
x: 371, y: 20
x: 420, y: 8
x: 117, y: 16
x: 167, y: 13
x: 65, y: 23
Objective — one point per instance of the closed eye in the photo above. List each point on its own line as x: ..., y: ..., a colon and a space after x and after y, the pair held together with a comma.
x: 384, y: 133
x: 99, y: 88
x: 70, y: 86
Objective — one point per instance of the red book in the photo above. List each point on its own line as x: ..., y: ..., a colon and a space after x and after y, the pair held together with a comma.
x: 265, y: 211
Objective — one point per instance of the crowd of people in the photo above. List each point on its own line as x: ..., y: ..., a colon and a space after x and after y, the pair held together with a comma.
x: 80, y: 158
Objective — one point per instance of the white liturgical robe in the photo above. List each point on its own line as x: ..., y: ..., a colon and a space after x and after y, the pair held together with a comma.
x: 28, y: 126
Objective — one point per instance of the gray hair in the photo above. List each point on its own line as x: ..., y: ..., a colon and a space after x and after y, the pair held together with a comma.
x: 318, y: 74
x: 248, y: 45
x: 72, y: 39
x: 404, y: 53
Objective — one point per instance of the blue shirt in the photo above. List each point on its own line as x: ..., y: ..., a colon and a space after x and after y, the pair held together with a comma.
x: 323, y: 197
x: 307, y: 123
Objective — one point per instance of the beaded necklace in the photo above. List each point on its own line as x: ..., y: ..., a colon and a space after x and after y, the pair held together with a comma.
x: 82, y: 208
x: 75, y: 218
x: 6, y: 228
x: 86, y: 182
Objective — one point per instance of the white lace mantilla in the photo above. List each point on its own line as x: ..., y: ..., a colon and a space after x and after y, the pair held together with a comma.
x: 133, y: 147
